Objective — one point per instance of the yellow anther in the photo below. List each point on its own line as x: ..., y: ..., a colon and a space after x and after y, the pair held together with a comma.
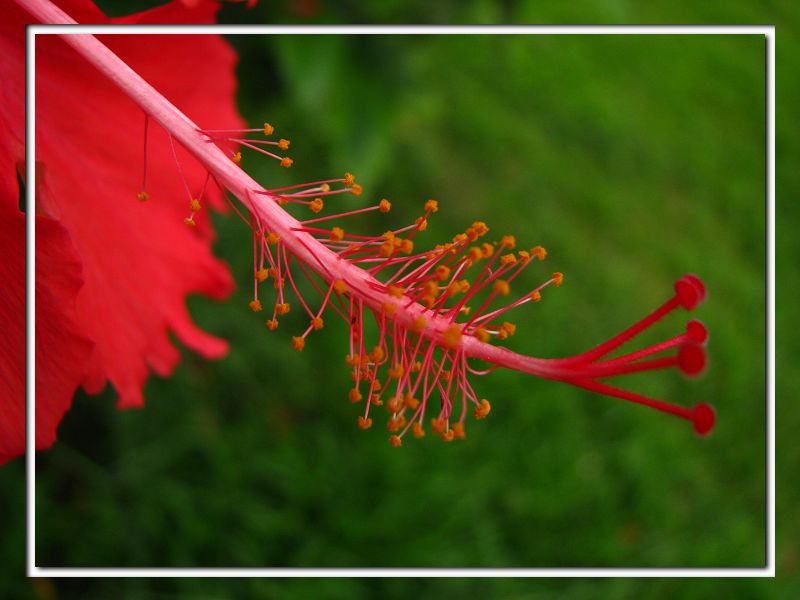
x: 460, y: 237
x: 273, y: 238
x: 478, y: 228
x: 508, y: 259
x: 501, y: 287
x: 262, y: 275
x: 509, y: 328
x: 439, y: 426
x: 375, y: 400
x: 432, y: 206
x: 488, y: 249
x: 364, y: 423
x: 428, y: 300
x: 442, y: 272
x: 508, y: 241
x: 396, y: 423
x: 286, y: 162
x: 395, y: 441
x: 349, y: 179
x: 351, y: 359
x: 282, y: 309
x: 282, y: 201
x: 463, y: 285
x: 418, y: 324
x: 377, y: 354
x: 524, y: 256
x: 458, y: 430
x: 465, y: 310
x: 397, y: 242
x: 481, y: 334
x: 558, y: 278
x: 431, y: 288
x: 407, y: 247
x: 417, y: 430
x: 482, y: 410
x: 410, y: 402
x: 395, y: 291
x: 340, y: 286
x: 298, y: 343
x: 394, y: 404
x: 272, y: 324
x: 268, y: 129
x: 316, y: 205
x: 539, y: 252
x: 421, y: 223
x: 446, y: 375
x: 388, y: 236
x: 356, y: 189
x: 389, y: 308
x: 416, y: 367
x: 143, y: 196
x: 337, y: 234
x: 283, y: 144
x: 396, y: 371
x: 325, y: 187
x: 255, y: 305
x: 277, y: 283
x: 386, y: 249
x: 451, y: 336
x: 475, y: 254
x: 536, y: 296
x: 454, y: 288
x: 317, y: 323
x: 449, y: 435
x: 189, y: 221
x: 354, y: 395
x: 237, y: 157
x: 384, y: 206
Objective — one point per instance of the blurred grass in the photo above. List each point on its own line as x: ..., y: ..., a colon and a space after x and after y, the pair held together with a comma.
x: 633, y: 160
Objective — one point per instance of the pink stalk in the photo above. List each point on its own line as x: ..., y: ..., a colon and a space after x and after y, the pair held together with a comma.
x: 435, y: 329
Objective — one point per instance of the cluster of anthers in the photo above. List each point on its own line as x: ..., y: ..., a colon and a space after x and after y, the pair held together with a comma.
x: 417, y: 318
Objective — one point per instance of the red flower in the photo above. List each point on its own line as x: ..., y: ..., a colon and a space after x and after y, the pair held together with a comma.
x: 112, y: 273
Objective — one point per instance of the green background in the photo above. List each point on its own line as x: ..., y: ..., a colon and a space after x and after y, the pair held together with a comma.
x: 632, y: 159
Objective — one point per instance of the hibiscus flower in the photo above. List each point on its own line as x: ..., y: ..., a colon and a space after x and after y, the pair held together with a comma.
x: 112, y: 272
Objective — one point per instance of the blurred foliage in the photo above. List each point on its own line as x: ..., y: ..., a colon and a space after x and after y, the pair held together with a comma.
x: 633, y: 159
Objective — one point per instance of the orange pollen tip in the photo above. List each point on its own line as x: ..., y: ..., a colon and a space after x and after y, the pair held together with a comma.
x: 255, y: 305
x: 384, y: 206
x: 442, y: 272
x: 396, y: 423
x: 460, y: 237
x: 536, y: 296
x: 417, y: 430
x: 273, y: 238
x: 439, y: 426
x: 464, y: 285
x: 268, y: 129
x: 349, y: 179
x: 501, y: 287
x: 316, y: 205
x: 272, y: 324
x: 411, y: 402
x: 351, y: 360
x: 283, y: 144
x: 317, y: 323
x: 475, y: 254
x: 395, y: 441
x: 337, y: 234
x: 286, y: 162
x: 298, y: 343
x: 558, y: 278
x: 416, y: 367
x: 356, y: 189
x: 364, y: 423
x: 421, y: 223
x: 502, y: 334
x: 458, y: 430
x: 143, y: 196
x: 509, y: 328
x: 189, y: 221
x: 508, y: 259
x: 394, y: 404
x: 524, y: 256
x: 452, y: 336
x: 325, y: 187
x: 282, y: 309
x: 340, y: 286
x: 354, y: 395
x: 396, y: 371
x: 446, y: 375
x: 428, y: 300
x: 237, y: 157
x: 262, y: 275
x: 488, y: 249
x: 509, y: 241
x: 395, y: 291
x: 481, y: 334
x: 465, y: 310
x: 539, y: 252
x: 432, y: 206
x: 389, y: 308
x: 375, y: 400
x: 482, y: 410
x: 377, y: 354
x: 431, y: 288
x: 449, y: 435
x: 407, y: 247
x: 418, y: 324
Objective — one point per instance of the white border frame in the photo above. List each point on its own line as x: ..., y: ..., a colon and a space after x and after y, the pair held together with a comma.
x: 768, y: 31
